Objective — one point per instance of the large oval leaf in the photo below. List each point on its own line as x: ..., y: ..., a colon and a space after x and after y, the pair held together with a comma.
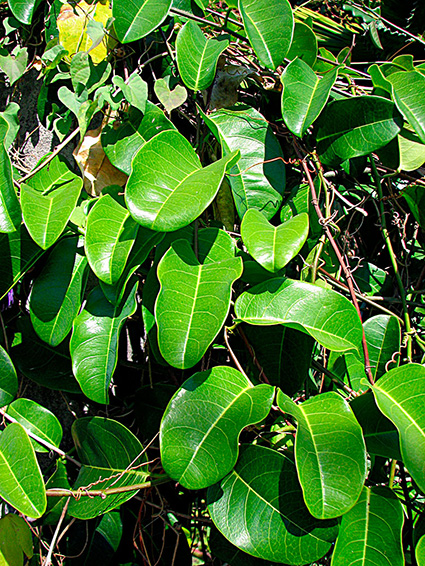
x: 273, y: 247
x: 23, y: 10
x: 8, y: 378
x: 134, y: 20
x: 202, y: 423
x: 192, y: 304
x: 21, y: 483
x: 370, y: 533
x: 10, y: 211
x: 110, y: 235
x: 94, y: 341
x: 326, y: 315
x: 168, y: 188
x: 258, y: 179
x: 56, y: 295
x: 197, y: 56
x: 269, y: 25
x: 400, y: 395
x: 356, y: 126
x: 408, y: 89
x: 330, y: 453
x: 112, y: 457
x: 304, y: 95
x: 259, y: 507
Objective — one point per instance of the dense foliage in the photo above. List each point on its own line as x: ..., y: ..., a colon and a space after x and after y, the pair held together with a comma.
x: 212, y: 320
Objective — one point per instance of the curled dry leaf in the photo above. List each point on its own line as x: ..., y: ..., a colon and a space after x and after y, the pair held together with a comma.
x: 225, y: 87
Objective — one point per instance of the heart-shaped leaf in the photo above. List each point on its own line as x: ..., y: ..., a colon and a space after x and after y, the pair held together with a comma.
x: 135, y: 90
x: 273, y: 247
x: 197, y: 450
x: 193, y: 303
x: 110, y: 235
x: 197, y: 56
x: 10, y: 211
x: 408, y: 92
x: 370, y: 532
x: 57, y: 292
x: 134, y: 20
x: 112, y: 457
x: 400, y: 395
x: 170, y: 99
x: 168, y: 188
x: 8, y: 378
x: 326, y: 315
x: 259, y: 508
x: 258, y: 180
x: 330, y: 453
x: 21, y: 483
x: 356, y: 126
x: 304, y: 95
x: 94, y: 341
x: 269, y: 25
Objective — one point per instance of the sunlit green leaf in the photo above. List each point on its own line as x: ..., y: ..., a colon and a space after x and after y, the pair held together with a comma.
x: 408, y: 90
x: 8, y: 378
x: 10, y: 211
x: 134, y: 20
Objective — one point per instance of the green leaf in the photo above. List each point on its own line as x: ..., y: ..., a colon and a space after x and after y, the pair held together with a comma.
x: 59, y: 479
x: 168, y: 188
x: 400, y: 395
x: 48, y: 200
x: 370, y: 532
x: 415, y: 198
x: 15, y: 540
x: 420, y: 552
x: 121, y: 141
x: 36, y: 419
x: 254, y: 183
x: 273, y: 247
x: 259, y: 508
x: 356, y: 126
x: 110, y: 453
x: 21, y: 483
x: 10, y: 114
x: 269, y: 25
x: 85, y: 75
x: 170, y: 99
x: 10, y: 211
x: 134, y: 20
x: 304, y: 44
x: 94, y: 341
x: 326, y: 315
x: 18, y: 254
x: 330, y: 453
x: 408, y: 88
x: 135, y: 90
x: 8, y: 379
x: 14, y: 64
x: 197, y: 56
x: 304, y: 95
x: 193, y: 303
x: 57, y: 292
x: 23, y: 10
x: 110, y: 235
x: 202, y: 423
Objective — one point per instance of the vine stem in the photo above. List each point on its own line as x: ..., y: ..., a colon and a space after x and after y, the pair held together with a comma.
x: 232, y: 354
x: 386, y: 236
x: 347, y: 273
x: 102, y: 493
x: 48, y: 560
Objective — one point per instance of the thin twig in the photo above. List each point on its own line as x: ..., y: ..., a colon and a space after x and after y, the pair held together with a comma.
x: 48, y: 560
x: 232, y: 354
x: 102, y: 493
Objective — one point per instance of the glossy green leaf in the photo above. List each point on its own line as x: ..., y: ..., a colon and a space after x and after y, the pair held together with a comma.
x: 420, y: 552
x: 193, y: 303
x: 356, y: 126
x: 254, y: 183
x: 57, y: 292
x: 304, y: 95
x: 135, y: 90
x: 406, y: 152
x: 330, y: 453
x: 202, y: 423
x: 122, y: 140
x: 170, y: 99
x: 111, y: 453
x: 10, y: 114
x: 59, y: 479
x: 15, y: 540
x: 94, y: 341
x: 18, y: 254
x: 262, y: 496
x: 408, y: 92
x: 370, y: 533
x: 197, y: 56
x: 110, y: 235
x: 8, y: 378
x: 269, y: 26
x: 304, y: 44
x: 230, y: 554
x: 273, y: 247
x: 38, y: 420
x: 168, y: 188
x: 326, y: 315
x: 21, y: 483
x: 415, y: 198
x: 134, y: 20
x: 48, y: 200
x: 10, y: 211
x: 400, y: 395
x: 23, y: 10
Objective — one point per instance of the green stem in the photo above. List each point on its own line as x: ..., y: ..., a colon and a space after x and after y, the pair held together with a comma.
x: 392, y: 474
x: 393, y: 258
x: 102, y: 493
